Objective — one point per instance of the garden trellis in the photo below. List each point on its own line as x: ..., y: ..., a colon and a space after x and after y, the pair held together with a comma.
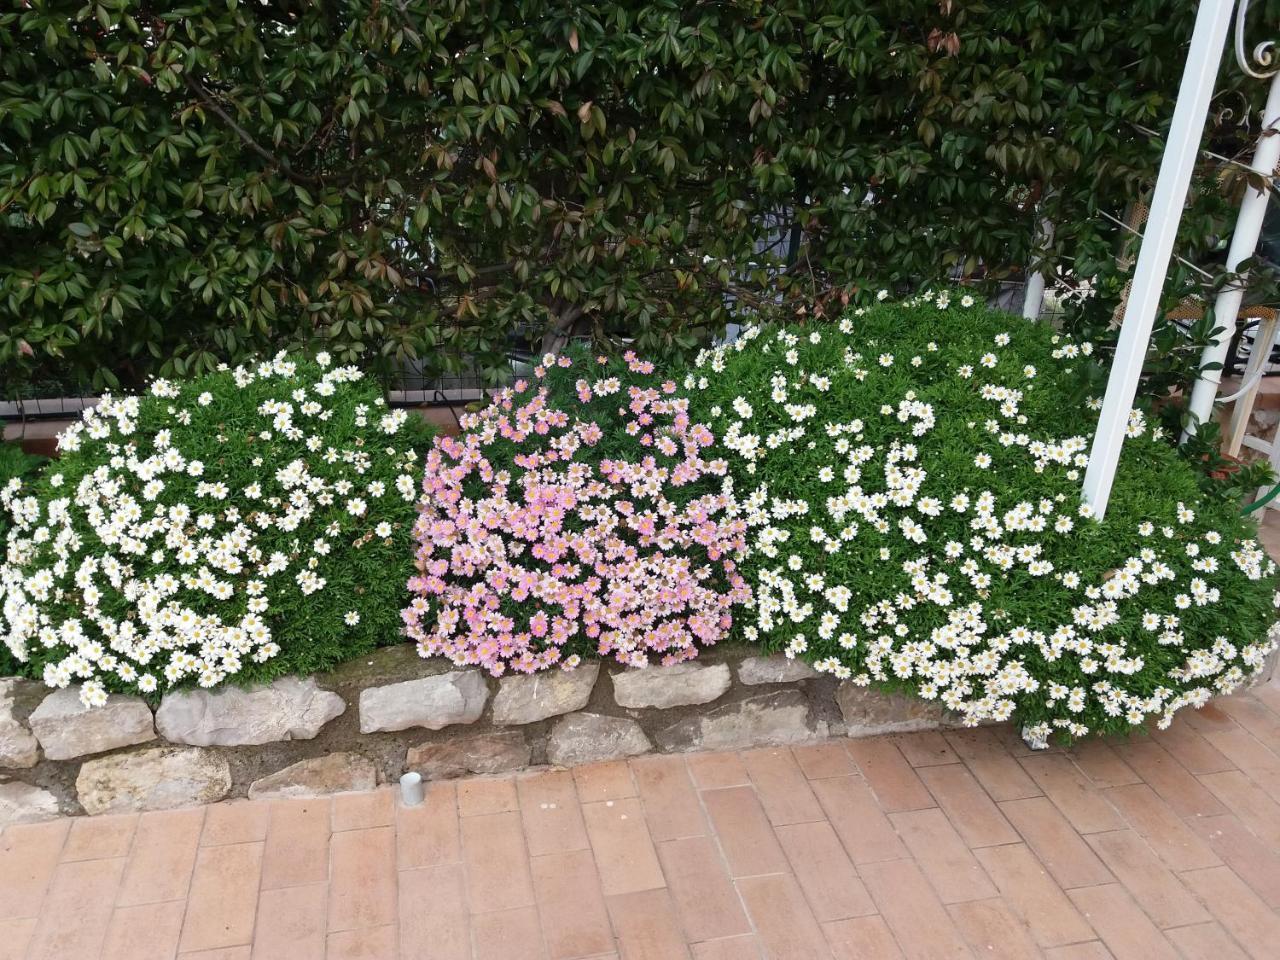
x: 1182, y: 147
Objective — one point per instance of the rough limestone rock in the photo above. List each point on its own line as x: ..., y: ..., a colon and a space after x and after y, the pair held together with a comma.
x: 766, y: 718
x: 23, y: 803
x: 679, y: 685
x: 155, y: 779
x: 776, y: 669
x: 67, y: 729
x: 287, y: 709
x: 18, y: 748
x: 867, y: 711
x: 589, y: 737
x: 486, y: 753
x: 548, y: 693
x: 432, y: 702
x: 334, y: 773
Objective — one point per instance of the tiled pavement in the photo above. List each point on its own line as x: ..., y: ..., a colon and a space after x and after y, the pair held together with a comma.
x: 926, y: 845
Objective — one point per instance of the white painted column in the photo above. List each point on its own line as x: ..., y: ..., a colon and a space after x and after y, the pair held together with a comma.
x: 1182, y: 149
x: 1244, y: 242
x: 1034, y: 299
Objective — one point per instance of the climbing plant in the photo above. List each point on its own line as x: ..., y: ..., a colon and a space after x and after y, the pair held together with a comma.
x: 183, y: 184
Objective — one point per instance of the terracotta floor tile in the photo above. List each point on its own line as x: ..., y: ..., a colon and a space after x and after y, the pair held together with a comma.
x: 993, y: 930
x: 100, y: 838
x: 292, y: 923
x: 1239, y: 910
x: 367, y: 943
x: 969, y: 808
x: 1249, y: 802
x: 362, y: 888
x: 162, y: 857
x: 861, y: 938
x: 1101, y: 764
x: 1033, y: 895
x: 359, y: 811
x: 735, y: 948
x: 223, y: 902
x: 824, y: 871
x: 1084, y: 805
x: 495, y: 857
x: 704, y: 897
x: 1254, y: 717
x: 575, y: 922
x: 28, y: 857
x: 610, y: 780
x: 1241, y: 748
x: 1205, y: 941
x: 646, y: 926
x: 1257, y: 864
x: 1268, y: 694
x: 997, y: 771
x: 1189, y: 747
x: 15, y: 937
x: 1090, y: 950
x: 768, y: 855
x: 892, y: 779
x: 1160, y: 894
x: 148, y: 931
x: 435, y: 923
x: 1062, y: 850
x: 926, y: 748
x: 1120, y: 922
x: 1162, y: 828
x: 236, y: 821
x: 551, y: 814
x: 623, y: 849
x: 1207, y: 718
x: 921, y: 925
x: 712, y: 771
x: 1170, y: 779
x: 480, y: 796
x: 743, y: 829
x: 297, y: 845
x: 671, y: 804
x: 863, y: 828
x: 783, y: 921
x: 427, y: 835
x: 942, y: 855
x: 77, y: 910
x: 781, y: 786
x: 820, y: 761
x: 495, y: 934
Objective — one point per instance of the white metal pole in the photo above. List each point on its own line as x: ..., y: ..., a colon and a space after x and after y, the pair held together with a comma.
x: 1243, y: 244
x: 1033, y: 302
x: 1182, y: 148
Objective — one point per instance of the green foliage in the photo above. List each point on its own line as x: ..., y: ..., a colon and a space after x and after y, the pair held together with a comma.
x: 15, y: 464
x: 186, y: 183
x: 912, y: 476
x: 239, y: 525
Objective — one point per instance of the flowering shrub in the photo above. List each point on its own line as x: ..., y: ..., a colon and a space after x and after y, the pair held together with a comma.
x: 248, y: 523
x: 911, y: 479
x: 577, y: 514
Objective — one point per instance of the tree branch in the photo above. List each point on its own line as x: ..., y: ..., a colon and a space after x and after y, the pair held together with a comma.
x: 207, y: 99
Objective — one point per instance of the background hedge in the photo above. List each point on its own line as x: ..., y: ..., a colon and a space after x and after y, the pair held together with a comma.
x: 187, y: 183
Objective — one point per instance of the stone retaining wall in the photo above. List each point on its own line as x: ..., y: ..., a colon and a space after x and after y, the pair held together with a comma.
x: 373, y: 719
